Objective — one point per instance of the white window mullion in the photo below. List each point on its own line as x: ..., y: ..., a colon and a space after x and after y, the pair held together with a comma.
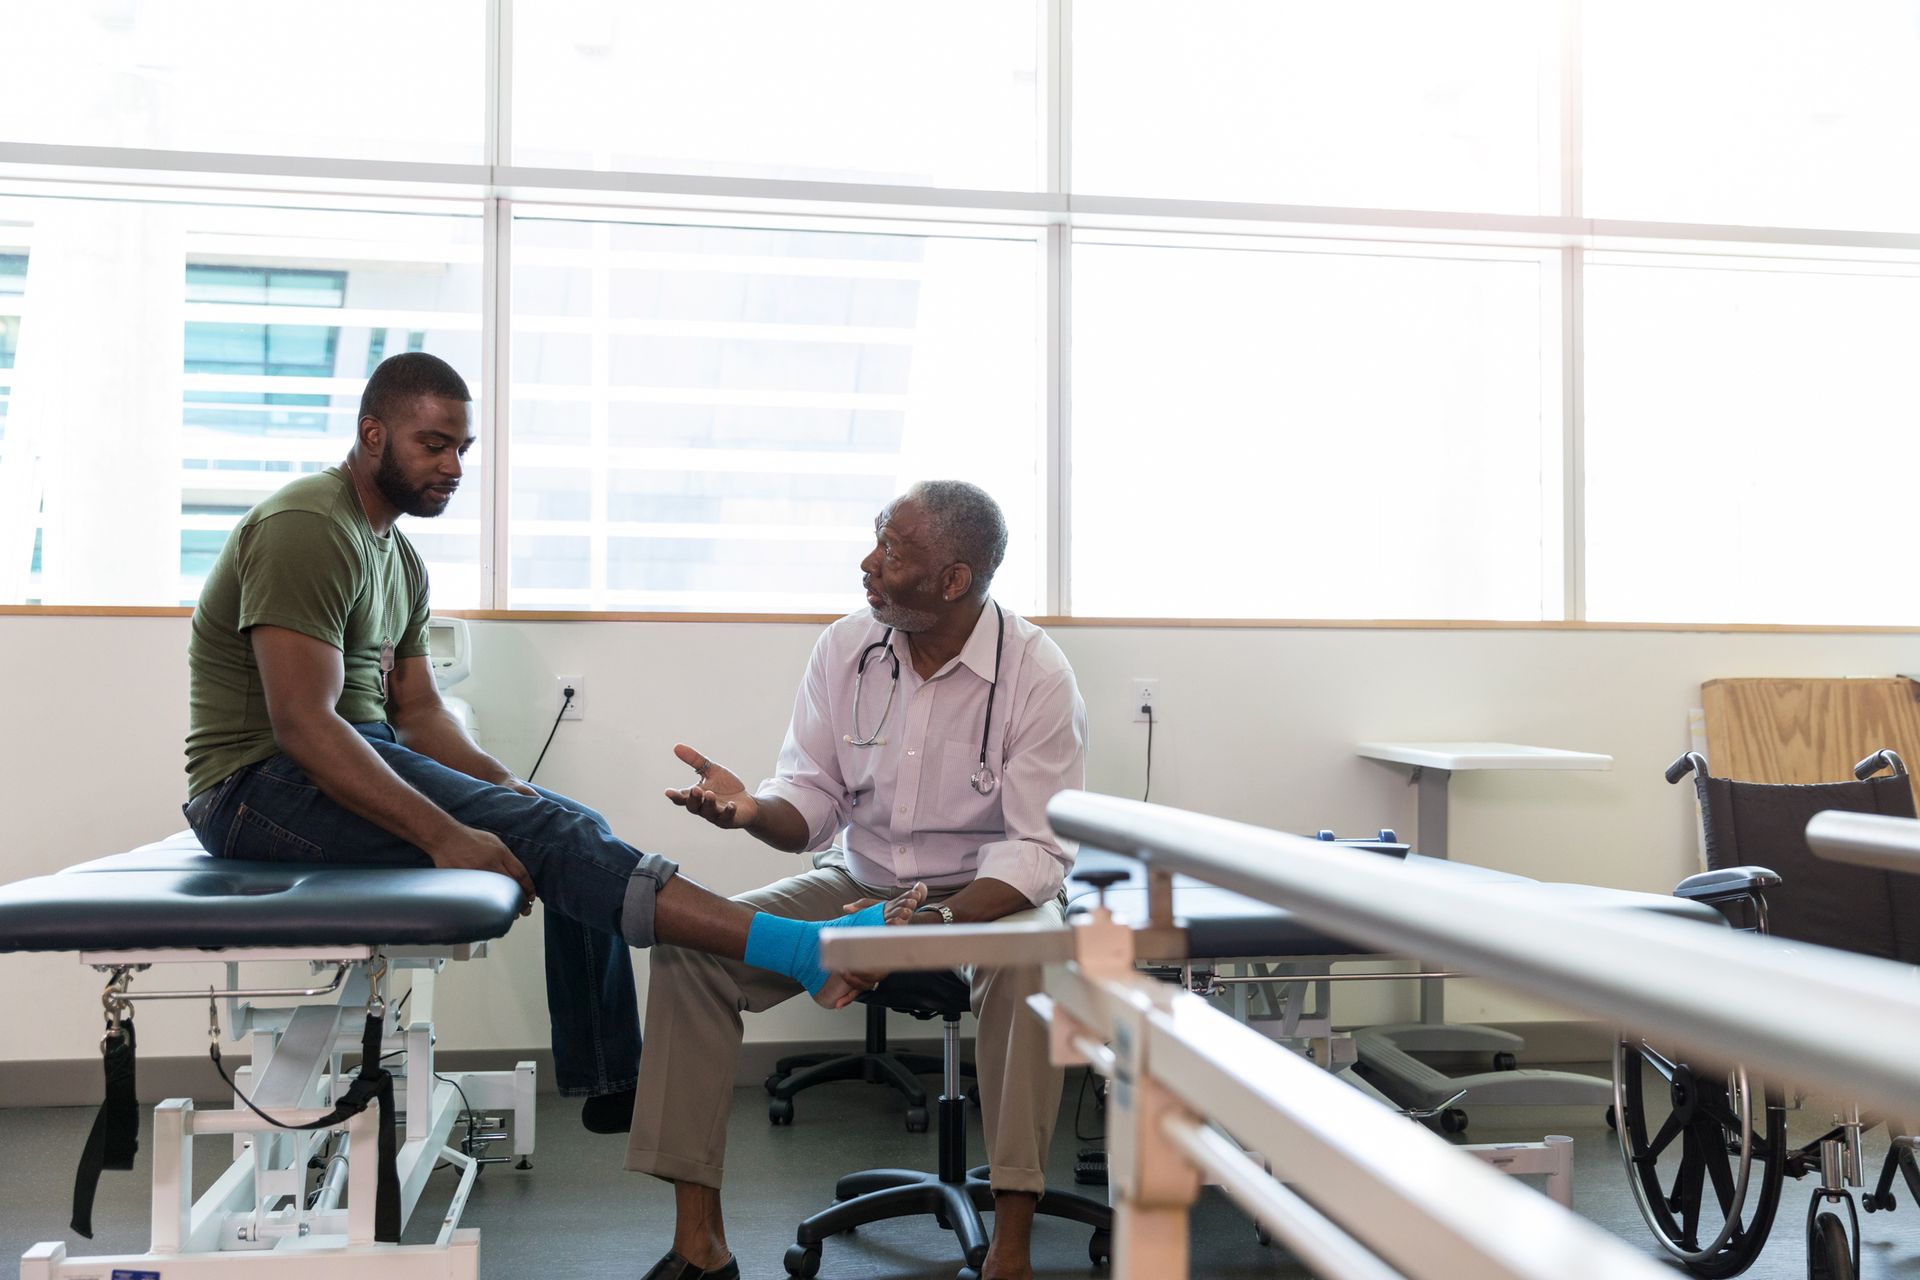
x: 497, y: 341
x: 1057, y: 459
x: 1573, y: 546
x: 495, y: 317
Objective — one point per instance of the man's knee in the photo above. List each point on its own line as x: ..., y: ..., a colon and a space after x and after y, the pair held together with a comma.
x: 993, y: 989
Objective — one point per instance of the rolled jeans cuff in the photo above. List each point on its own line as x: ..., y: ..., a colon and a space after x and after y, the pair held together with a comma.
x: 650, y: 875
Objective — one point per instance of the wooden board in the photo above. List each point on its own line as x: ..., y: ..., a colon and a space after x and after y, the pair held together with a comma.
x: 1793, y: 730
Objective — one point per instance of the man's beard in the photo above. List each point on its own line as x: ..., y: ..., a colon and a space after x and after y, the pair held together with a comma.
x: 903, y: 617
x: 406, y: 499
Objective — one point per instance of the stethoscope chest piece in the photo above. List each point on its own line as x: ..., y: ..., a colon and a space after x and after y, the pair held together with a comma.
x: 984, y: 780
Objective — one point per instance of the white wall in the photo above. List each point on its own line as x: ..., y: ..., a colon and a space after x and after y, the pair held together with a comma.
x: 1257, y: 725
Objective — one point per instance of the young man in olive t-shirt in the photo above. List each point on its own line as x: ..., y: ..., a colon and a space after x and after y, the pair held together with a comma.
x: 317, y: 734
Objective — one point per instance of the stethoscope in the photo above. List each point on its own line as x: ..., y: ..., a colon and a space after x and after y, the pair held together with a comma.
x: 984, y: 780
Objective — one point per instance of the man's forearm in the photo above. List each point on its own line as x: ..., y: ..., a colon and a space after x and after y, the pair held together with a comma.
x: 352, y: 774
x: 779, y: 824
x: 438, y: 736
x: 981, y: 902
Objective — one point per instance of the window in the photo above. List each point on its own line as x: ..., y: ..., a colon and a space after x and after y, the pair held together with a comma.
x: 1753, y: 428
x: 222, y: 321
x: 13, y: 276
x: 1754, y: 112
x: 1496, y: 309
x: 1392, y: 104
x: 711, y: 416
x: 359, y: 78
x: 926, y: 95
x: 266, y: 350
x: 1341, y: 433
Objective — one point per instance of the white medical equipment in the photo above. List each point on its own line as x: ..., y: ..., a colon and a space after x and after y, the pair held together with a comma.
x: 450, y: 654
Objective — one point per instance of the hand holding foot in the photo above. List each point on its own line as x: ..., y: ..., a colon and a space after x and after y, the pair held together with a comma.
x: 792, y: 947
x: 841, y: 988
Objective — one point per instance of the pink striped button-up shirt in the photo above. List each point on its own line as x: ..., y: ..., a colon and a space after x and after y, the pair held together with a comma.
x: 906, y: 804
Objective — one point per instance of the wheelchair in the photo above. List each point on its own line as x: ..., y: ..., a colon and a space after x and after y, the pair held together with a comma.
x: 1684, y: 1129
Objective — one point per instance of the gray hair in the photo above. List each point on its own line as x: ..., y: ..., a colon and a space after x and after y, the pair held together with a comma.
x: 965, y: 525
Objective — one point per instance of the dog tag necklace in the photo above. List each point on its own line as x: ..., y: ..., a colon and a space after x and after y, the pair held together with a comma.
x: 386, y: 646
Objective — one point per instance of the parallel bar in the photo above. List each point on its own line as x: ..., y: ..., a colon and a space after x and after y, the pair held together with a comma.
x: 1866, y: 840
x: 1404, y: 1193
x: 1793, y: 1014
x: 896, y: 950
x: 1306, y: 1232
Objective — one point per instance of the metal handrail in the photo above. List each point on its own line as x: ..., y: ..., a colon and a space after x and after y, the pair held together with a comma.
x: 1866, y: 840
x: 1817, y: 1018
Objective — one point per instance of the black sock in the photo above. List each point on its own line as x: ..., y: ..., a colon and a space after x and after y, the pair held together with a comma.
x: 608, y: 1112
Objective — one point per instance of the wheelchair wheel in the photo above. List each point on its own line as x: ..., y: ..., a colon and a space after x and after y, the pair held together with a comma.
x: 1682, y: 1132
x: 1829, y: 1256
x: 1833, y: 1246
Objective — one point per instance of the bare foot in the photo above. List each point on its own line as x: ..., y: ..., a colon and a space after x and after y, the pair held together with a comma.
x: 841, y: 988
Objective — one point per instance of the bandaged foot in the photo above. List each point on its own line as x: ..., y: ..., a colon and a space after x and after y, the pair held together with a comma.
x: 792, y: 947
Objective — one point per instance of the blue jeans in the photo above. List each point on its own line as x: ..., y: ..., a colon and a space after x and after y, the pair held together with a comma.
x: 599, y: 891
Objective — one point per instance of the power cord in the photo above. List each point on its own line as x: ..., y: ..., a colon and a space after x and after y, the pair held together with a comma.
x: 1146, y: 709
x: 566, y: 700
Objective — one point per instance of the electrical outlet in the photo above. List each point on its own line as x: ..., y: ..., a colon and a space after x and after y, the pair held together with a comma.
x: 1142, y: 693
x: 576, y: 709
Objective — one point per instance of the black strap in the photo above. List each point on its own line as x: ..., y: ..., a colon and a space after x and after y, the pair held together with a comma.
x: 373, y: 1084
x: 115, y: 1136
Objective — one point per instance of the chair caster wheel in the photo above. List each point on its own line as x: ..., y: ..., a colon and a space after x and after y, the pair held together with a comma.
x: 1874, y: 1204
x: 966, y: 1273
x: 1505, y: 1062
x: 803, y: 1259
x: 916, y: 1119
x: 1100, y: 1248
x: 1260, y: 1235
x: 773, y: 1081
x: 1613, y: 1119
x: 1453, y: 1120
x: 973, y: 1095
x: 780, y: 1111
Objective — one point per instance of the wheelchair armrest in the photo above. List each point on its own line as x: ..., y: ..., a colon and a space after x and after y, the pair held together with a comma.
x: 1729, y: 882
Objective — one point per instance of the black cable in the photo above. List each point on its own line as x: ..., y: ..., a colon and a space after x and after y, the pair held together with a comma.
x: 465, y: 1106
x: 466, y: 1111
x: 565, y: 702
x: 1148, y: 708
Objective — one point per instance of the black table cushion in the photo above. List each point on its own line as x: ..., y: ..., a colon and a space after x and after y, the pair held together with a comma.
x: 168, y: 895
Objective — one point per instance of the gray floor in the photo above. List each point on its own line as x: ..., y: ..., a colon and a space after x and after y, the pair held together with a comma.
x: 577, y: 1214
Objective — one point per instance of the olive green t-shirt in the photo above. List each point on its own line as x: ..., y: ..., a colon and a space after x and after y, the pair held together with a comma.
x: 304, y: 559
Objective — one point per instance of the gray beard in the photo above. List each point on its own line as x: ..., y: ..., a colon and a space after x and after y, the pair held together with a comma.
x: 901, y: 618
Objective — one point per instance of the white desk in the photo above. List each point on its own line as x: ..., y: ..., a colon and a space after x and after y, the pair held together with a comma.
x: 1433, y: 765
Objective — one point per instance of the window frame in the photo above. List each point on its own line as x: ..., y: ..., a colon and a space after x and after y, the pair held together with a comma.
x: 1054, y: 214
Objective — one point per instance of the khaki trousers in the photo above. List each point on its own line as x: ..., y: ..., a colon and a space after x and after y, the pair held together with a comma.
x: 694, y: 1003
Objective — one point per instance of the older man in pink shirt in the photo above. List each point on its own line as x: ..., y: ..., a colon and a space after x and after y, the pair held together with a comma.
x: 934, y: 766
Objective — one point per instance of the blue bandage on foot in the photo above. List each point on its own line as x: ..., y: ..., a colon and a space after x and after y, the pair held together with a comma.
x: 792, y: 947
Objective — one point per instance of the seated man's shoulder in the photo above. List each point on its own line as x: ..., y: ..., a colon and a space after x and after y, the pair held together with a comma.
x: 855, y: 628
x: 322, y: 494
x: 293, y: 514
x: 1041, y: 650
